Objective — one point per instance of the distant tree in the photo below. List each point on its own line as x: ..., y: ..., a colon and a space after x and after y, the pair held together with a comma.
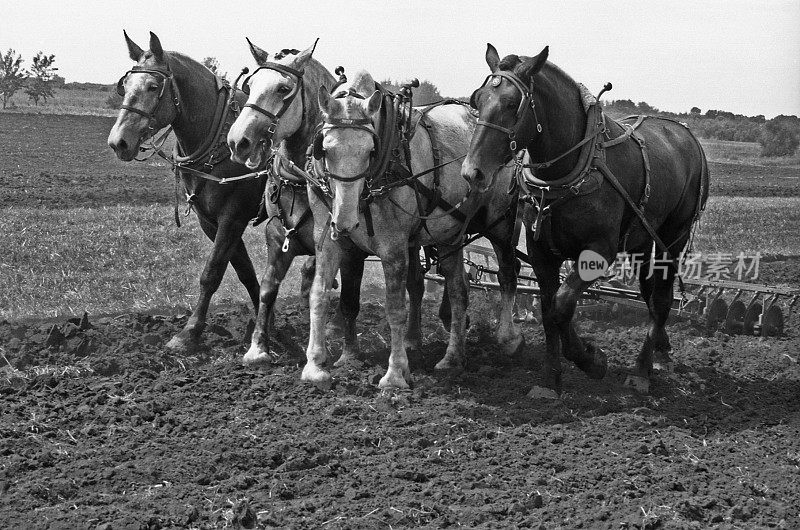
x: 213, y: 64
x: 780, y: 136
x: 695, y: 110
x: 41, y: 78
x: 12, y: 78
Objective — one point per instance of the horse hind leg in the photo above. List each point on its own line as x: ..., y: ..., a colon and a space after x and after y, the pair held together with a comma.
x: 351, y: 272
x: 508, y: 333
x: 415, y: 287
x: 457, y: 292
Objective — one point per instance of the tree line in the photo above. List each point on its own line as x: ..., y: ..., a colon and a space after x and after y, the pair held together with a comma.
x: 779, y: 136
x: 38, y: 80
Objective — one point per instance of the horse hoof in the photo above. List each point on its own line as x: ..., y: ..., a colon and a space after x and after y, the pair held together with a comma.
x: 348, y: 358
x: 180, y: 344
x: 256, y: 356
x: 314, y: 374
x: 449, y: 365
x: 638, y: 383
x: 597, y: 364
x: 667, y: 367
x: 514, y: 347
x: 540, y: 392
x: 393, y: 379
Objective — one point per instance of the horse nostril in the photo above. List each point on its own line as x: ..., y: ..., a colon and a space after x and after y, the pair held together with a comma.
x: 120, y: 145
x: 244, y: 144
x: 478, y: 175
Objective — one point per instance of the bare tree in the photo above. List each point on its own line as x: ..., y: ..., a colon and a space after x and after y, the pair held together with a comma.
x: 12, y: 78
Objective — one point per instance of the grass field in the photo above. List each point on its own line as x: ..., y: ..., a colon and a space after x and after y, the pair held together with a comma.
x: 90, y: 102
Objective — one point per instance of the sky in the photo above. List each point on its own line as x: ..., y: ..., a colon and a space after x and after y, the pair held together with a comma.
x: 734, y: 55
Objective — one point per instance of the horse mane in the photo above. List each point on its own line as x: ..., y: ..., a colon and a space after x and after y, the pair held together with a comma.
x: 284, y: 52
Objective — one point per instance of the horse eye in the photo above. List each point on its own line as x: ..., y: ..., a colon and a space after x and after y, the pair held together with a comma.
x: 283, y: 89
x: 152, y: 88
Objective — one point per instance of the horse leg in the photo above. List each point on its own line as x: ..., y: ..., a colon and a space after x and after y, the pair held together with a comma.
x: 658, y: 292
x: 307, y: 277
x: 395, y: 270
x: 327, y: 263
x: 546, y: 269
x: 445, y: 313
x: 586, y: 356
x: 240, y: 260
x: 225, y: 237
x: 278, y: 263
x: 351, y: 271
x: 415, y: 287
x: 457, y: 291
x: 508, y: 333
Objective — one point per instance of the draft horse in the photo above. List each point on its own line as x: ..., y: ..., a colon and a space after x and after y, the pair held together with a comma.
x: 593, y: 184
x: 167, y: 88
x: 385, y: 188
x: 279, y: 121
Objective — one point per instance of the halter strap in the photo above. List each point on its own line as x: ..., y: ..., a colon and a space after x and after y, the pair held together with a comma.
x: 166, y: 77
x: 525, y: 103
x: 287, y: 101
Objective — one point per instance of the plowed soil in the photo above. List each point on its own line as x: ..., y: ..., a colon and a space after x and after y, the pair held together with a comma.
x: 102, y: 428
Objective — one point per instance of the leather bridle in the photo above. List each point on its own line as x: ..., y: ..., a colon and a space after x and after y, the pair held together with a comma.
x: 526, y: 104
x: 167, y: 78
x: 287, y: 100
x: 362, y: 124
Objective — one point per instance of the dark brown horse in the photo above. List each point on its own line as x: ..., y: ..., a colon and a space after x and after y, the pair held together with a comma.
x: 593, y: 184
x: 168, y: 88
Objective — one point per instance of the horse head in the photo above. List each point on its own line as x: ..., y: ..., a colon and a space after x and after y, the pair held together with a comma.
x: 348, y: 140
x: 151, y: 100
x: 273, y: 111
x: 507, y: 121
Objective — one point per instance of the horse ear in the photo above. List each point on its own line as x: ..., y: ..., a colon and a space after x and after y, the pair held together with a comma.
x: 324, y: 99
x: 374, y: 103
x: 134, y: 51
x: 155, y: 47
x: 534, y: 64
x: 259, y: 55
x: 492, y: 58
x: 303, y: 57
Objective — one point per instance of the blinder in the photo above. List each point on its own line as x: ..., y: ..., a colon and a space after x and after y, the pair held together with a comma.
x: 164, y: 75
x: 526, y: 101
x: 282, y: 68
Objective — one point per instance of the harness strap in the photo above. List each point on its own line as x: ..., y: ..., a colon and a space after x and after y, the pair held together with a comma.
x: 604, y: 169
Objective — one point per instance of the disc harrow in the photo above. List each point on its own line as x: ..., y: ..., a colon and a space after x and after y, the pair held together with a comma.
x: 736, y: 308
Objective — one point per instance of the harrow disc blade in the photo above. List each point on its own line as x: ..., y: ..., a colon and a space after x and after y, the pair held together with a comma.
x: 734, y: 321
x: 715, y: 314
x: 752, y: 318
x: 772, y: 322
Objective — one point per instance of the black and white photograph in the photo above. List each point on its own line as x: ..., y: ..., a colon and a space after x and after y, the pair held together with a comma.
x: 384, y: 265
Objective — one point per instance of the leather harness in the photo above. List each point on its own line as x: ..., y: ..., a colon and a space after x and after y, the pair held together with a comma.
x: 586, y: 177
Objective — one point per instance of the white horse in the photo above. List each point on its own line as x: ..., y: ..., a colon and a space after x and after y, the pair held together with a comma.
x: 395, y: 217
